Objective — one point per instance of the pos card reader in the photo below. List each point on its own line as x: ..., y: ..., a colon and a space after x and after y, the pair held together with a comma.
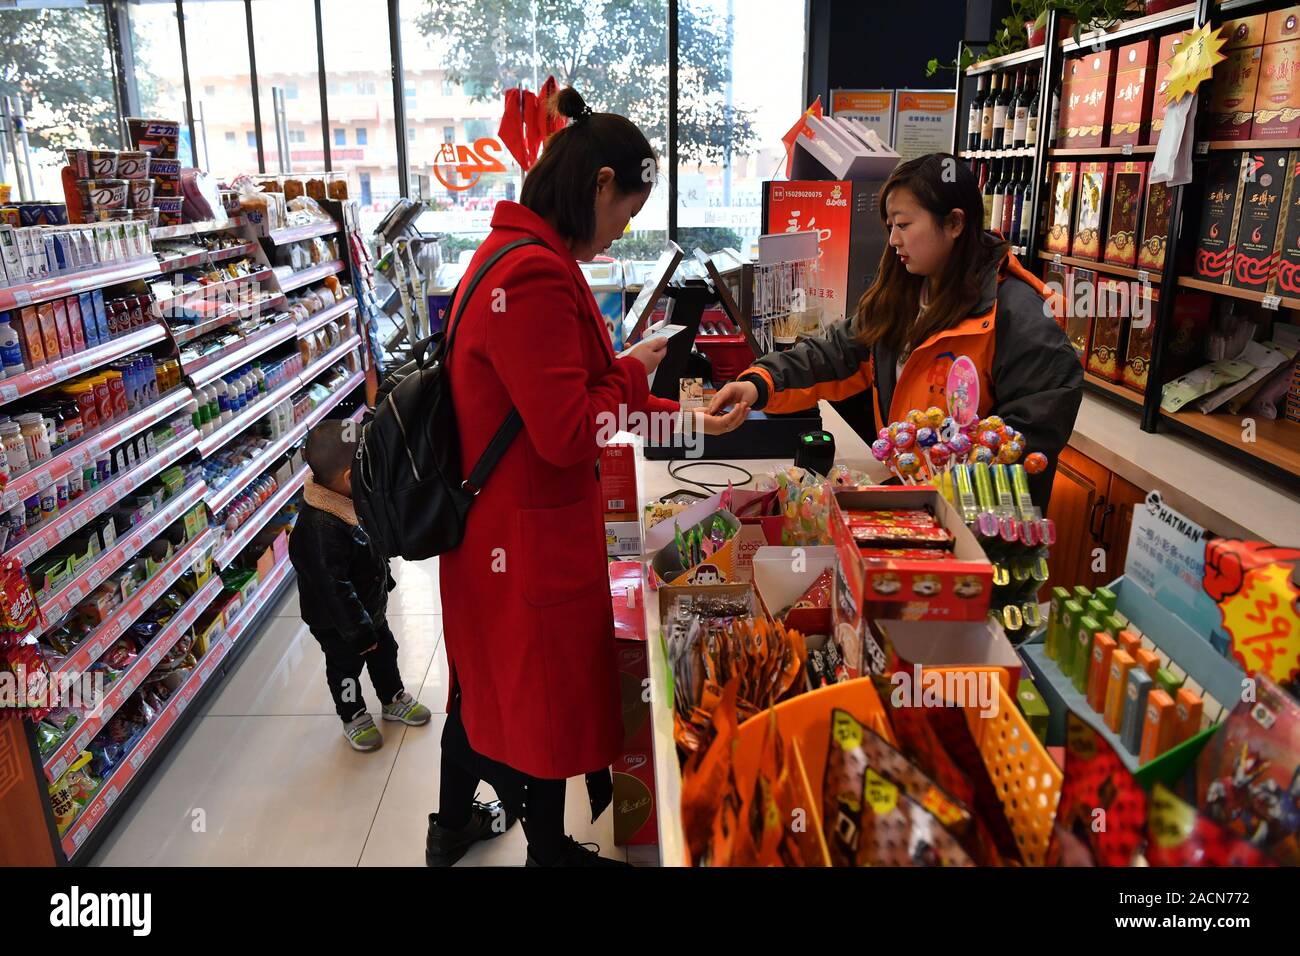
x: 816, y: 452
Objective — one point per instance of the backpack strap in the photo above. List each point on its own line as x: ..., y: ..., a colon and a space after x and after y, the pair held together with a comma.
x: 500, y: 442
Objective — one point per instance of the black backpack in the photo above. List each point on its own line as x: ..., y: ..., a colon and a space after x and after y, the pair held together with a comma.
x: 407, y: 483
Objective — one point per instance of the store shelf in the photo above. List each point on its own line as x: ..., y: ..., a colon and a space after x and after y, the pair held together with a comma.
x: 230, y: 549
x: 306, y: 277
x: 41, y: 477
x: 56, y: 287
x: 125, y: 771
x: 326, y: 316
x: 212, y: 287
x: 1218, y: 288
x: 196, y: 228
x: 1242, y: 144
x: 43, y: 376
x: 1131, y: 28
x: 188, y: 333
x: 359, y: 414
x: 998, y: 153
x: 108, y: 562
x: 1106, y: 267
x: 1277, y: 441
x: 108, y: 633
x: 249, y: 416
x: 266, y: 593
x: 1055, y: 153
x: 282, y: 237
x: 1099, y: 384
x: 218, y: 499
x: 326, y: 361
x: 97, y: 502
x: 205, y: 258
x: 217, y: 364
x: 1032, y: 55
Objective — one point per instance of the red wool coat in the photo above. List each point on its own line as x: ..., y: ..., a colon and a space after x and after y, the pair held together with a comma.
x: 527, y: 615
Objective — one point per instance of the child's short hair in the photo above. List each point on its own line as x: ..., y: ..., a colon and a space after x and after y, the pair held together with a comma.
x: 330, y: 447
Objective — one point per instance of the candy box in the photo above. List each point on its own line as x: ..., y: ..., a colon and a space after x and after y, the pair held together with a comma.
x: 953, y: 589
x: 635, y: 819
x: 731, y: 563
x: 782, y: 579
x: 980, y: 647
x: 158, y: 138
x: 195, y: 522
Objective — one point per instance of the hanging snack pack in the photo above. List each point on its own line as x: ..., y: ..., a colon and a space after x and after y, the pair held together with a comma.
x: 18, y: 611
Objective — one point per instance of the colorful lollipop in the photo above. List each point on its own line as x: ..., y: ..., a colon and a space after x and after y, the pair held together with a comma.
x: 960, y: 446
x: 934, y: 414
x: 1013, y: 450
x: 981, y: 455
x: 908, y: 466
x: 991, y: 440
x: 1035, y: 463
x: 993, y: 422
x: 884, y: 433
x: 940, y: 456
x: 904, y: 440
x: 882, y: 449
x: 926, y: 439
x: 918, y: 418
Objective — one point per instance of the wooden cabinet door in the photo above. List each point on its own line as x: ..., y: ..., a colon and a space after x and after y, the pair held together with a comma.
x: 1124, y: 496
x: 1079, y: 499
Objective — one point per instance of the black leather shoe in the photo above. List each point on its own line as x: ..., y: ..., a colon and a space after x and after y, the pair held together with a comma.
x: 577, y: 854
x: 444, y: 847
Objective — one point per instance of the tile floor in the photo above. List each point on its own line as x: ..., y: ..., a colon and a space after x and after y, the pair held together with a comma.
x: 264, y: 777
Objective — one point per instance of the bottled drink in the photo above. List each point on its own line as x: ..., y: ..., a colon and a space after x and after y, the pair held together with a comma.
x: 1031, y: 101
x: 1055, y: 117
x: 986, y: 120
x: 1020, y: 128
x: 1000, y: 113
x: 1013, y: 103
x: 1018, y: 204
x: 11, y: 353
x: 988, y: 202
x: 976, y: 114
x: 1009, y: 201
x: 1027, y: 204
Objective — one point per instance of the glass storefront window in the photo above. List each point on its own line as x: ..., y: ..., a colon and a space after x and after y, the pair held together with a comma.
x: 57, y: 62
x: 741, y: 78
x: 284, y: 36
x: 358, y: 72
x: 159, y: 72
x: 216, y: 37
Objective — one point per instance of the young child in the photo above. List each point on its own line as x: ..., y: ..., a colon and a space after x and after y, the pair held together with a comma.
x: 343, y: 585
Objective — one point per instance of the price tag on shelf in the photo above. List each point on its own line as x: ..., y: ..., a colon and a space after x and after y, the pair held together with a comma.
x: 9, y: 393
x: 1144, y: 277
x: 1271, y: 302
x: 1127, y: 149
x: 110, y: 796
x: 22, y: 297
x: 95, y: 578
x: 44, y: 480
x: 10, y: 500
x: 139, y: 756
x: 1202, y: 149
x: 79, y: 837
x: 74, y: 595
x: 155, y: 656
x: 1056, y: 259
x: 82, y: 740
x: 58, y: 767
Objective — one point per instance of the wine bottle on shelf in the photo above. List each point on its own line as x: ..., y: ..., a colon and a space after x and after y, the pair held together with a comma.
x: 1013, y: 103
x: 1000, y: 112
x: 1018, y: 202
x: 1020, y: 124
x: 1055, y: 116
x: 988, y: 198
x: 976, y: 114
x: 1009, y: 201
x: 986, y: 117
x: 1027, y: 215
x: 999, y: 194
x: 1031, y: 112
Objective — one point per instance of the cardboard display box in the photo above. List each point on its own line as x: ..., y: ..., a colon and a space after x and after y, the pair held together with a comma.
x: 1277, y: 96
x: 1063, y: 183
x: 1091, y: 97
x: 955, y: 589
x: 1107, y: 342
x: 1134, y: 92
x: 1078, y: 325
x: 626, y: 586
x: 782, y: 575
x: 1232, y: 98
x: 618, y: 492
x: 1137, y: 353
x: 1093, y: 181
x: 1155, y: 227
x: 1126, y: 192
x: 1265, y: 179
x: 955, y: 644
x: 1216, y: 245
x: 1288, y: 267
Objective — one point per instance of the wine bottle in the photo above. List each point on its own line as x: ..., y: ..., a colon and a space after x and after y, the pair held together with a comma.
x: 988, y: 199
x: 1013, y: 104
x: 1009, y: 201
x: 999, y: 195
x: 986, y: 118
x: 1000, y: 113
x: 1020, y: 131
x: 1026, y: 205
x: 976, y: 114
x: 1031, y: 101
x: 1055, y: 117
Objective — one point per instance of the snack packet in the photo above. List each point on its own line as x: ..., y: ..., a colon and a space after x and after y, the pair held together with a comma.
x: 19, y: 613
x: 1180, y: 836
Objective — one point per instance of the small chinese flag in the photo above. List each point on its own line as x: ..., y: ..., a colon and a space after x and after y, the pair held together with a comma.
x: 790, y: 137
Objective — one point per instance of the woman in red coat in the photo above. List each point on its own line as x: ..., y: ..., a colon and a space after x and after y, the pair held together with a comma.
x: 527, y: 615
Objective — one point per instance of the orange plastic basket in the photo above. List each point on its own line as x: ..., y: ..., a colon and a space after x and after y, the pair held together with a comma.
x: 1027, y: 780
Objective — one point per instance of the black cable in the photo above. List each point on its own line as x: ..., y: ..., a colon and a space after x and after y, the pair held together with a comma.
x: 675, y: 470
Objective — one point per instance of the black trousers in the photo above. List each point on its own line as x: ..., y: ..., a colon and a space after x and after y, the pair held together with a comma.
x: 344, y: 663
x: 538, y: 803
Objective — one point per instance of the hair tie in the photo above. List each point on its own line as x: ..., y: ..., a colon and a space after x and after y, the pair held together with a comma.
x: 586, y: 111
